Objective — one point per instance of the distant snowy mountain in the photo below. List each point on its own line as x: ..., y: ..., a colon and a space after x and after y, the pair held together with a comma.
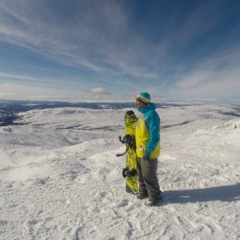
x: 60, y: 177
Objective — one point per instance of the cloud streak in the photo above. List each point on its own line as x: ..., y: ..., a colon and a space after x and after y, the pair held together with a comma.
x: 76, y: 43
x: 216, y: 75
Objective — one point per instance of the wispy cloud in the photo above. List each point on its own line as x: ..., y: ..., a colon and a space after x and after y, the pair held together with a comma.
x: 24, y: 92
x: 217, y: 75
x: 100, y: 91
x: 15, y: 76
x: 13, y: 91
x: 79, y: 40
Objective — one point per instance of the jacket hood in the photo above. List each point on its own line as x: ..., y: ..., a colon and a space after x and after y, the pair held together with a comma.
x: 149, y: 107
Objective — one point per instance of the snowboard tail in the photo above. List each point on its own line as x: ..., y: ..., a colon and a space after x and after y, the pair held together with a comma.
x: 131, y: 163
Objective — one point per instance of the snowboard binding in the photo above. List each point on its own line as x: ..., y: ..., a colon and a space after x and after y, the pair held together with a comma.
x: 128, y: 140
x: 129, y: 172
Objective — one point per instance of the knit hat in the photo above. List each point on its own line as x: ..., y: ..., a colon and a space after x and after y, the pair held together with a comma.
x: 144, y: 97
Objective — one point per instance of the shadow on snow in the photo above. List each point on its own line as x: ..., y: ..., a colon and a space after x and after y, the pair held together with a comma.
x: 222, y: 193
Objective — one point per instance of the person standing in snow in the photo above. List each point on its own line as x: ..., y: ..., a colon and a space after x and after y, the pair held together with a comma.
x: 148, y: 149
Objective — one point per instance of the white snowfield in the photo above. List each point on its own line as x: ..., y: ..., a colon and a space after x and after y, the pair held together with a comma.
x: 60, y: 178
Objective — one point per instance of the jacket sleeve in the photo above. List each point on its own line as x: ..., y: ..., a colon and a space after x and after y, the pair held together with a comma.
x: 153, y: 122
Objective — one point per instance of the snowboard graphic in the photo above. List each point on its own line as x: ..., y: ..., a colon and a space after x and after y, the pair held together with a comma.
x: 130, y: 171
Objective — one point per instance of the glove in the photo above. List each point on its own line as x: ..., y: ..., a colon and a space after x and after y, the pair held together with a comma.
x: 146, y: 156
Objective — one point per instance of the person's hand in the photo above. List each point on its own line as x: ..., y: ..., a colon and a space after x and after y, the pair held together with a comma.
x: 146, y: 156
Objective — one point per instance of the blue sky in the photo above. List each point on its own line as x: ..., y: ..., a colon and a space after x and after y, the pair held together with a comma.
x: 112, y: 49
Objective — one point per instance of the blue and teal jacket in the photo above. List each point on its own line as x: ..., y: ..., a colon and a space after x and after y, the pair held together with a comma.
x: 148, y: 132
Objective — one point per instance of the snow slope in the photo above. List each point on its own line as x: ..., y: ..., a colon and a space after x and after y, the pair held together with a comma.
x: 60, y: 177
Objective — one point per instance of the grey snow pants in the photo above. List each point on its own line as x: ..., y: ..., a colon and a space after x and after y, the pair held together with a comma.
x: 147, y: 179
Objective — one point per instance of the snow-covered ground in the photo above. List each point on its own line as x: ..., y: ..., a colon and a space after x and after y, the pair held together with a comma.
x: 60, y: 177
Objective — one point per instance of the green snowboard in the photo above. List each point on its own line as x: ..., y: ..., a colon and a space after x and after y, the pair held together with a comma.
x: 130, y: 171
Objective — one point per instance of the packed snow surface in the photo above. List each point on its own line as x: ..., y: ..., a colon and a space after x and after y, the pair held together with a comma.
x: 60, y: 177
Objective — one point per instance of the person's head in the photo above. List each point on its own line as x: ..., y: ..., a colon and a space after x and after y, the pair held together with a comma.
x: 142, y: 99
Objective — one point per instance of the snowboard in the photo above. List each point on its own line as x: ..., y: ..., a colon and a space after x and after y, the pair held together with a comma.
x: 130, y: 171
